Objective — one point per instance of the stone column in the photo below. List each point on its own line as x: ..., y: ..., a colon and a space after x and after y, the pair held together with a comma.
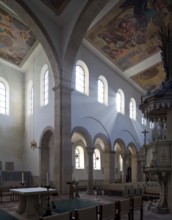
x: 112, y: 167
x: 109, y: 167
x: 62, y: 134
x: 124, y: 157
x: 90, y: 152
x: 134, y: 168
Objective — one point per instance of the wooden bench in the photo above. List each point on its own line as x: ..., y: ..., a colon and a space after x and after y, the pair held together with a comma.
x: 123, y: 208
x: 60, y: 216
x: 113, y: 189
x: 107, y: 211
x: 136, y: 204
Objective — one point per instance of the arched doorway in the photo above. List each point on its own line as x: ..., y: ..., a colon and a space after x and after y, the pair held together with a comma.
x: 47, y: 157
x: 120, y: 161
x: 131, y: 164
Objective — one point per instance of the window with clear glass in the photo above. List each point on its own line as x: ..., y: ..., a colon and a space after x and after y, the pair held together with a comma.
x: 144, y: 121
x: 120, y: 163
x: 96, y: 159
x: 120, y: 101
x: 80, y: 79
x: 3, y: 99
x: 46, y: 87
x: 132, y: 109
x: 31, y: 100
x: 151, y: 125
x: 79, y: 157
x: 101, y: 91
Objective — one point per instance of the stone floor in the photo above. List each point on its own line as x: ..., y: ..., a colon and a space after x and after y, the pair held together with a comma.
x: 11, y: 207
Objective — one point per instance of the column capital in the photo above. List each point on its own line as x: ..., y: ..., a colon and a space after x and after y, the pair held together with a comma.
x: 90, y: 150
x: 124, y: 156
x: 62, y: 86
x: 112, y: 152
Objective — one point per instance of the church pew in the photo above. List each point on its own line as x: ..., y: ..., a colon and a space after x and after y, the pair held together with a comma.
x: 107, y: 211
x: 86, y: 213
x: 136, y: 204
x: 60, y: 216
x: 123, y: 208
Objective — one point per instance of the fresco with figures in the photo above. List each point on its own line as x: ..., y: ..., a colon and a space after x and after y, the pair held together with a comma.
x: 151, y: 78
x: 16, y: 39
x: 129, y: 33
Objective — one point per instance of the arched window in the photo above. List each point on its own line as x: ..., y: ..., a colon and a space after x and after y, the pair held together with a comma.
x: 144, y: 121
x: 44, y: 86
x: 96, y: 160
x: 31, y: 100
x: 102, y: 90
x: 120, y: 163
x: 81, y: 77
x: 133, y: 109
x: 30, y: 96
x: 4, y: 97
x: 151, y: 125
x: 79, y: 157
x: 120, y: 101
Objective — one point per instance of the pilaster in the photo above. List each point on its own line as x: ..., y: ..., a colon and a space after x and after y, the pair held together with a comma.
x: 63, y: 148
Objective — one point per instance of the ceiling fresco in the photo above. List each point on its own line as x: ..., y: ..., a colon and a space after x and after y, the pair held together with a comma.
x: 16, y: 39
x: 151, y: 78
x: 129, y: 33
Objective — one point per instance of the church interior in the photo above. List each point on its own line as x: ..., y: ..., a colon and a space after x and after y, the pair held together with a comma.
x: 86, y: 98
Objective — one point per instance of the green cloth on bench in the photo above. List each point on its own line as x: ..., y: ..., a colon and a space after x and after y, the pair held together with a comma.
x: 66, y: 205
x: 6, y: 216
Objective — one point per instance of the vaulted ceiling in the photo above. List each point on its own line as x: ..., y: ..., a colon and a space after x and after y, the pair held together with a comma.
x: 126, y: 37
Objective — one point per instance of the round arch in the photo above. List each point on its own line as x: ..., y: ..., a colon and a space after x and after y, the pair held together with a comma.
x: 131, y: 163
x: 132, y: 147
x: 46, y: 154
x: 80, y: 133
x: 88, y: 14
x: 119, y: 143
x: 103, y: 141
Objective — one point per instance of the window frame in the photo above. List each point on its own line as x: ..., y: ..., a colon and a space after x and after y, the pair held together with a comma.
x: 103, y: 89
x: 46, y: 87
x: 44, y: 70
x: 96, y: 159
x: 132, y: 109
x: 85, y: 70
x: 79, y: 160
x: 120, y: 101
x: 6, y: 97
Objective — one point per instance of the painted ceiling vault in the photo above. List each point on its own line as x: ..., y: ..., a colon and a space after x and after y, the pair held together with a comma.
x: 127, y: 35
x: 16, y: 39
